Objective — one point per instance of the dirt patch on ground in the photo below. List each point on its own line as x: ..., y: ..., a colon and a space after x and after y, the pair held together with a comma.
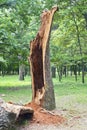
x: 42, y: 116
x: 75, y: 121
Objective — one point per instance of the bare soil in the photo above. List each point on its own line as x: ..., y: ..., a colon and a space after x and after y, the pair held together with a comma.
x: 63, y: 119
x: 42, y: 116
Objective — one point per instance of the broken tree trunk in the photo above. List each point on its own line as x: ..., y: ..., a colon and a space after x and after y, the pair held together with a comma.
x: 42, y: 86
x: 11, y: 113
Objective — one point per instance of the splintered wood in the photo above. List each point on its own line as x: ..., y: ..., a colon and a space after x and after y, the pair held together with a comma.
x: 39, y: 59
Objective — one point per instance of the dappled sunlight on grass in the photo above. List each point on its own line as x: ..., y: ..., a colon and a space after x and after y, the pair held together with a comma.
x: 13, y: 81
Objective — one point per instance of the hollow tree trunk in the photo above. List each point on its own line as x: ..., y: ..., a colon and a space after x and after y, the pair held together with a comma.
x: 42, y: 86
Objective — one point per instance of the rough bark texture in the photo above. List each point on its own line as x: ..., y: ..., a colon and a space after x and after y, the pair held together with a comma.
x: 10, y: 113
x: 42, y: 86
x: 6, y: 121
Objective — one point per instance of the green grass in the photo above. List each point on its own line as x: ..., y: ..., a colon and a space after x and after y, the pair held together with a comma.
x: 14, y: 90
x: 13, y: 81
x: 68, y: 92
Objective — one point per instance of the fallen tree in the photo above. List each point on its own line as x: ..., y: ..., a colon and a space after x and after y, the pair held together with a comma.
x: 42, y: 86
x: 11, y: 113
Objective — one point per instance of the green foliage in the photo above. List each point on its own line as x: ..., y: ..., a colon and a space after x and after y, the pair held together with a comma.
x: 70, y: 25
x: 16, y: 29
x: 20, y: 21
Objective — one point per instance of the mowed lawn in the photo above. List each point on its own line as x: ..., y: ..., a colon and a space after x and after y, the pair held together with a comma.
x: 12, y: 89
x: 68, y: 92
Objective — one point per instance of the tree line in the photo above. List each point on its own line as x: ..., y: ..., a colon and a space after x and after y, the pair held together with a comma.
x: 68, y: 43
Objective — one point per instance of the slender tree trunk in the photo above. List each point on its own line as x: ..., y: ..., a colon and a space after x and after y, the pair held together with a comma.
x: 75, y: 72
x: 78, y: 69
x: 65, y: 70
x: 53, y: 70
x: 21, y: 72
x: 71, y: 70
x: 79, y: 43
x: 42, y: 86
x: 59, y: 71
x: 83, y: 74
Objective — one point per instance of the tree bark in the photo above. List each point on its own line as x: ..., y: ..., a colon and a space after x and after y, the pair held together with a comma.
x: 42, y: 86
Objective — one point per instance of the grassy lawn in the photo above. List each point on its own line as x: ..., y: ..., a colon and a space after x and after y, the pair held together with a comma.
x: 13, y: 81
x: 14, y: 90
x: 68, y: 93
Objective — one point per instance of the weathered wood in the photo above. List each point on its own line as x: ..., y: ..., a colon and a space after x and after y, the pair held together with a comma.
x: 11, y: 113
x: 17, y: 109
x: 40, y: 63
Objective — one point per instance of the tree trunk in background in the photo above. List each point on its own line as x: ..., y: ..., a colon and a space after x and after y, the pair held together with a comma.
x: 53, y: 70
x: 21, y: 72
x: 59, y: 71
x: 71, y: 70
x: 83, y: 75
x: 79, y: 43
x: 42, y: 86
x: 65, y: 70
x: 78, y: 69
x: 75, y: 72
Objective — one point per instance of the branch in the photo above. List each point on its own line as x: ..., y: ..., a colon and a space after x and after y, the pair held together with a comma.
x: 8, y: 4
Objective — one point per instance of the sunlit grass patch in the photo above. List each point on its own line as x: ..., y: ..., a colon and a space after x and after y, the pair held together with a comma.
x: 13, y: 81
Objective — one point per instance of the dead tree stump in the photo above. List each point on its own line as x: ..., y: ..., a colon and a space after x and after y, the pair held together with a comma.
x: 42, y: 86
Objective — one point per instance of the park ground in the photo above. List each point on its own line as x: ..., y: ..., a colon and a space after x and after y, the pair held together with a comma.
x: 71, y: 101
